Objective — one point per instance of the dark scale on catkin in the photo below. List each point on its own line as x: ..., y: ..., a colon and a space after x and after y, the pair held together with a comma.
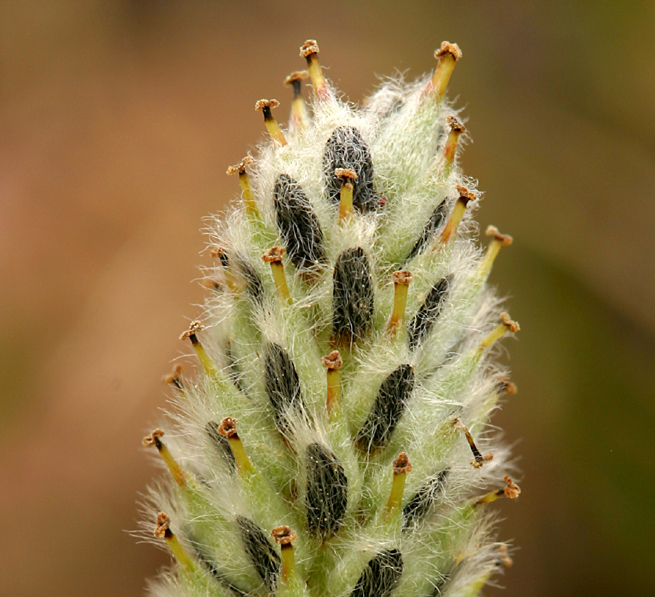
x: 389, y: 406
x: 421, y: 324
x: 222, y: 444
x: 283, y: 388
x: 260, y: 552
x: 220, y: 577
x: 352, y: 297
x: 419, y: 506
x: 327, y: 492
x: 381, y: 575
x: 346, y: 149
x: 251, y: 279
x: 298, y: 224
x: 429, y: 230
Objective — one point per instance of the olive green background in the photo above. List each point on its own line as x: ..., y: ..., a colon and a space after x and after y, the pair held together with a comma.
x: 117, y: 121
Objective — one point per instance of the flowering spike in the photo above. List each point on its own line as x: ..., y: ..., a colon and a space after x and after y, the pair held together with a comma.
x: 271, y: 124
x: 154, y: 439
x: 274, y: 257
x: 401, y: 282
x: 333, y: 363
x: 244, y: 181
x: 357, y: 198
x: 203, y: 357
x: 309, y: 51
x: 163, y: 531
x: 498, y: 240
x: 447, y: 55
x: 299, y: 116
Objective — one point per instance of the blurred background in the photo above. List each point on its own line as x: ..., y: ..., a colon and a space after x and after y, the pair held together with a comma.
x: 117, y: 121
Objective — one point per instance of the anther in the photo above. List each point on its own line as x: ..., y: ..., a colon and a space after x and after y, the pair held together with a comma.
x: 347, y: 177
x: 498, y: 240
x: 401, y: 466
x: 479, y: 458
x: 163, y: 531
x: 272, y: 126
x: 401, y: 282
x: 511, y: 491
x: 174, y: 378
x: 154, y: 439
x: 244, y: 181
x: 506, y: 325
x: 299, y: 116
x: 228, y: 429
x: 333, y: 362
x: 503, y: 556
x: 284, y: 536
x: 456, y: 129
x: 457, y: 214
x: 274, y: 257
x: 309, y: 51
x: 203, y: 357
x: 447, y: 55
x: 505, y: 386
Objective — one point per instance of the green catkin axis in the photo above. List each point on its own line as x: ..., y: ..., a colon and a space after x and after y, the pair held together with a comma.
x: 335, y: 441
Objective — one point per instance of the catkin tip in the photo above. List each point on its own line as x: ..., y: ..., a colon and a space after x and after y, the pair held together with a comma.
x: 152, y: 439
x: 194, y: 327
x: 511, y: 325
x: 402, y: 464
x: 504, y: 239
x: 228, y: 427
x: 465, y: 194
x: 455, y: 124
x: 299, y: 75
x: 262, y: 104
x: 333, y: 361
x: 163, y: 523
x: 308, y: 48
x: 448, y: 48
x: 283, y: 535
x: 512, y: 490
x: 240, y: 168
x: 273, y: 255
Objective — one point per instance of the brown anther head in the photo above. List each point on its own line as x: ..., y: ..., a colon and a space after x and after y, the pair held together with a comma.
x: 283, y: 535
x: 455, y: 124
x: 448, y: 48
x: 163, y: 522
x: 504, y: 239
x: 262, y: 104
x: 174, y: 376
x: 299, y: 75
x: 505, y: 560
x: 402, y: 277
x: 479, y: 463
x: 228, y: 427
x: 333, y: 361
x: 505, y: 386
x: 194, y: 328
x: 345, y: 173
x: 240, y: 168
x: 465, y: 193
x: 308, y: 48
x: 512, y: 326
x: 402, y: 464
x: 512, y: 490
x: 151, y: 440
x: 273, y: 255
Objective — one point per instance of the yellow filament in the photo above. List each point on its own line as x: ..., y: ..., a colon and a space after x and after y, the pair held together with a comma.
x: 399, y: 304
x: 333, y: 390
x: 316, y: 75
x: 275, y: 131
x: 396, y: 495
x: 490, y: 257
x: 178, y: 551
x: 280, y: 281
x: 240, y: 456
x: 205, y: 361
x: 442, y: 75
x: 346, y: 201
x: 453, y: 221
x: 248, y: 197
x: 171, y: 463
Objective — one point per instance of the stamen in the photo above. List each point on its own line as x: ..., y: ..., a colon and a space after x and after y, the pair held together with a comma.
x: 299, y: 116
x: 346, y: 194
x: 447, y: 55
x: 163, y: 531
x: 274, y: 257
x: 456, y: 129
x: 511, y: 491
x: 309, y: 51
x: 333, y: 363
x: 228, y: 429
x: 154, y: 439
x: 505, y: 386
x: 499, y: 240
x: 401, y: 466
x: 203, y: 357
x: 401, y: 282
x: 503, y: 556
x: 506, y: 325
x: 457, y: 214
x: 244, y: 181
x: 479, y: 458
x: 284, y: 537
x: 272, y: 126
x: 175, y: 378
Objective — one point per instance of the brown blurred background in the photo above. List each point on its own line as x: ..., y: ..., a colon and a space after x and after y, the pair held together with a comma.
x: 117, y: 121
